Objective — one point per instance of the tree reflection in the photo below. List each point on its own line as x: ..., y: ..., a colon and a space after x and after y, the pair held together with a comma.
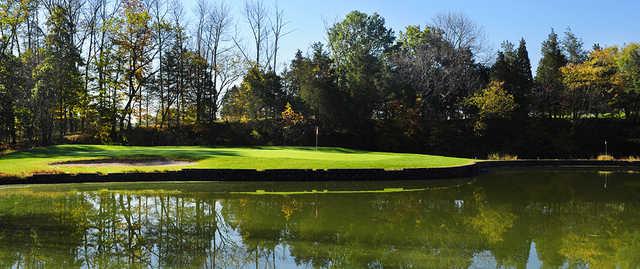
x: 570, y: 217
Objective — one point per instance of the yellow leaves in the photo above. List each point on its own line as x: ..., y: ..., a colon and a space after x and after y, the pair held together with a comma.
x: 238, y: 104
x: 494, y: 101
x: 413, y: 36
x: 600, y: 71
x: 628, y: 61
x: 288, y: 208
x: 290, y: 117
x: 576, y: 76
x: 139, y: 74
x: 133, y: 32
x: 13, y: 13
x: 493, y: 222
x: 588, y: 249
x: 136, y: 13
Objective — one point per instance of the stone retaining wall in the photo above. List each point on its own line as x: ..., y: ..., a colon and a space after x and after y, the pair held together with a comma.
x: 253, y: 175
x: 467, y: 171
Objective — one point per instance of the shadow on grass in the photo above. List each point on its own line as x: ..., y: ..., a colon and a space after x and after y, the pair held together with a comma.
x: 320, y: 149
x: 91, y: 151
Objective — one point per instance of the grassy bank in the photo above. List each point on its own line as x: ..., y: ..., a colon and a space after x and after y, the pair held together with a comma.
x: 49, y: 159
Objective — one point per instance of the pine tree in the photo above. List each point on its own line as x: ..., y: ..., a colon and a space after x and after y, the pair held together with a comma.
x: 513, y: 68
x: 549, y: 77
x: 173, y: 77
x: 524, y: 64
x: 573, y: 48
x: 501, y: 68
x: 524, y: 78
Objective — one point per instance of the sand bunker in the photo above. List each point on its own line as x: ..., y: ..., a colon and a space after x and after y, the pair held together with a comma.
x: 123, y: 162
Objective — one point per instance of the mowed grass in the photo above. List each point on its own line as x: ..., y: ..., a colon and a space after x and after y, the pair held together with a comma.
x: 42, y: 160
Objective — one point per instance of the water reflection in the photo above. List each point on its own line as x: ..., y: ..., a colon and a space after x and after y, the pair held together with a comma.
x: 511, y: 219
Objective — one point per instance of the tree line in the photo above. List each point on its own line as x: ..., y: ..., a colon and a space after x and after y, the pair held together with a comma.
x: 105, y: 68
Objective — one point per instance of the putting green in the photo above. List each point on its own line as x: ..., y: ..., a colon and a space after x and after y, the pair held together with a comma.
x: 55, y: 159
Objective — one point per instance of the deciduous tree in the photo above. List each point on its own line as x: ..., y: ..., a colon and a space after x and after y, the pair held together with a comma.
x: 358, y: 44
x: 493, y: 102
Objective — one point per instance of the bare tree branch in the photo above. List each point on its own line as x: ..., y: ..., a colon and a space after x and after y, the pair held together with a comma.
x: 463, y: 33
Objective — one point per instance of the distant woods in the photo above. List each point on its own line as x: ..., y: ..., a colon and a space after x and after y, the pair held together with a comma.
x: 109, y: 69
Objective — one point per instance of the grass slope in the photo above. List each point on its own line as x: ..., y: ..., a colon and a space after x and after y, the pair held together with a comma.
x: 24, y: 163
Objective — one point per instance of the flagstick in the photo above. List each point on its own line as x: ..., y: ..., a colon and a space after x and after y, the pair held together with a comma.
x: 317, y: 130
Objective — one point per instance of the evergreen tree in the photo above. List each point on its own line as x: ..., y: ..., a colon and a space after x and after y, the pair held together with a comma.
x: 549, y: 77
x: 59, y: 81
x: 513, y: 68
x: 504, y: 67
x: 173, y: 79
x: 500, y: 69
x: 313, y: 80
x: 524, y: 78
x: 10, y: 95
x: 259, y: 96
x: 200, y: 84
x: 573, y: 48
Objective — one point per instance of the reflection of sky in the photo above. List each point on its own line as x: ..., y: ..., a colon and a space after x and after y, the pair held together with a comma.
x: 481, y: 260
x: 533, y: 261
x: 485, y: 259
x: 281, y: 258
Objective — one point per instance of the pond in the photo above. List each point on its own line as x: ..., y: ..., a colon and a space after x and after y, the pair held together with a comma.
x: 507, y: 218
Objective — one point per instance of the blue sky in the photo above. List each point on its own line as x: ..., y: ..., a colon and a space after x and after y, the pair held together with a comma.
x: 606, y: 22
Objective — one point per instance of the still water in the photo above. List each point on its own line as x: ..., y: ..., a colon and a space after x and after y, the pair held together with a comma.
x: 507, y: 219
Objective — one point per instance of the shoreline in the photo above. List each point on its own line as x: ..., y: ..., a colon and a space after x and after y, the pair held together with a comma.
x: 312, y: 175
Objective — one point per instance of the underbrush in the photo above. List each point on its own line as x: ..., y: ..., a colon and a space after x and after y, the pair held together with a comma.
x: 502, y: 157
x: 611, y: 158
x: 604, y: 157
